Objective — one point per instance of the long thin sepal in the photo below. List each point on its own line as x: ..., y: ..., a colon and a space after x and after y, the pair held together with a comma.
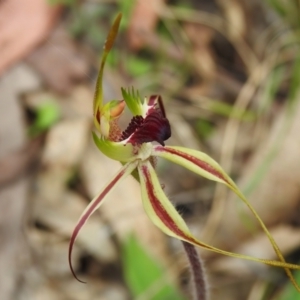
x: 195, y: 161
x: 205, y: 166
x: 98, y: 97
x: 164, y: 215
x: 95, y: 204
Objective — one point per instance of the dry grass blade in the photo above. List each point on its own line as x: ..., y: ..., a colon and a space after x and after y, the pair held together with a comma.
x: 249, y: 58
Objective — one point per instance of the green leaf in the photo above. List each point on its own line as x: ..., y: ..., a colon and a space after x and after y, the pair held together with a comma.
x: 290, y: 293
x: 113, y: 58
x: 271, y: 88
x: 227, y: 110
x: 204, y: 128
x: 278, y: 6
x: 295, y: 81
x: 46, y: 115
x: 63, y: 2
x: 126, y: 8
x: 144, y: 275
x: 138, y: 66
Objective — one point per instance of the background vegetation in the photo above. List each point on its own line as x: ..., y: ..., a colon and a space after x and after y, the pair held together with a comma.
x: 229, y: 74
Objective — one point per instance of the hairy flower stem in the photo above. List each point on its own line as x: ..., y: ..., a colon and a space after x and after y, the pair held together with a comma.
x: 198, y: 273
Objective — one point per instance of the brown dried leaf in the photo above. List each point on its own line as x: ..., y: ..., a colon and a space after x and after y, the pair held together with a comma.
x: 66, y: 142
x: 59, y: 62
x: 201, y: 37
x: 143, y: 22
x: 61, y: 215
x: 14, y: 164
x: 14, y: 195
x: 23, y: 27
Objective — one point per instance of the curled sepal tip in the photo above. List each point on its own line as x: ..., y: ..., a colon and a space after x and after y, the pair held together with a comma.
x: 112, y: 33
x: 95, y: 204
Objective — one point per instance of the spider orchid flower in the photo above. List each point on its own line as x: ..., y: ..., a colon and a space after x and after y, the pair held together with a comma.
x: 137, y: 148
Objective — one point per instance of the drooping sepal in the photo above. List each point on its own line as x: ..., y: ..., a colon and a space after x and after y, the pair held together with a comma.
x: 203, y: 165
x: 195, y: 161
x: 157, y: 205
x: 164, y: 216
x: 95, y: 204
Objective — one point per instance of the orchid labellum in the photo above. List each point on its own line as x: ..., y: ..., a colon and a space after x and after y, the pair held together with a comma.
x: 138, y: 146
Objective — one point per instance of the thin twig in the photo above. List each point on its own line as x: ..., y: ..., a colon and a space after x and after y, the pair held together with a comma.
x: 198, y: 273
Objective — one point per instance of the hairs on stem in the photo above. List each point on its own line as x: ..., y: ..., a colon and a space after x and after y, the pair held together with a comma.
x: 198, y: 273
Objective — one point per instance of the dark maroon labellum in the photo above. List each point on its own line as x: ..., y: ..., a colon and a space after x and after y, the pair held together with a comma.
x: 155, y: 127
x: 134, y: 124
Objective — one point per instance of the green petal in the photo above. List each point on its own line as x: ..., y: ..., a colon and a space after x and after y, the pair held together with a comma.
x: 202, y: 164
x: 95, y: 204
x: 115, y: 150
x: 134, y: 102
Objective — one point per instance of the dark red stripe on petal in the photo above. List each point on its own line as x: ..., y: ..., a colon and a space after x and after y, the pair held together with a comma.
x: 198, y: 162
x: 159, y: 209
x: 88, y: 213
